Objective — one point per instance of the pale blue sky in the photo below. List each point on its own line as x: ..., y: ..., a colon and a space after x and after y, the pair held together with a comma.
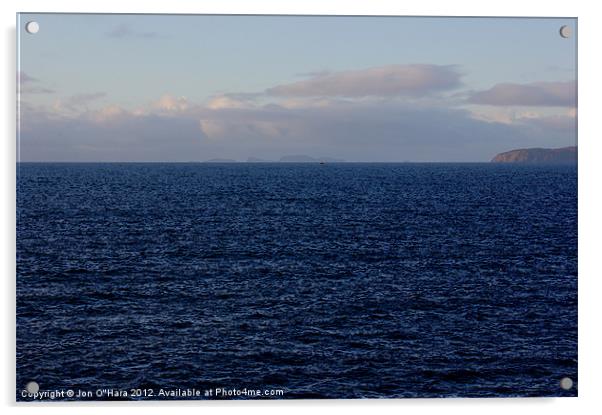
x: 131, y: 60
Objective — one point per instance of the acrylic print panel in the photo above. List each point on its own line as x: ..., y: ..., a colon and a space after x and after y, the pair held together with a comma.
x: 289, y: 207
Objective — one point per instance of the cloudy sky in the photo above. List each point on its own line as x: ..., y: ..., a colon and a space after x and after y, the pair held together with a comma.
x: 191, y: 88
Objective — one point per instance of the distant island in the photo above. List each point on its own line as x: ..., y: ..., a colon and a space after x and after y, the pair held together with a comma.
x: 565, y: 155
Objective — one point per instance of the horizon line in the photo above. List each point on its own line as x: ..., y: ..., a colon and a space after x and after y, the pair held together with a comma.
x: 269, y: 162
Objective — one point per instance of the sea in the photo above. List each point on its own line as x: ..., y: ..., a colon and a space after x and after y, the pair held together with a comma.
x: 296, y: 280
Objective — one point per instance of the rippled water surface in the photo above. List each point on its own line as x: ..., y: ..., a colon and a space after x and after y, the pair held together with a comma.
x: 326, y: 281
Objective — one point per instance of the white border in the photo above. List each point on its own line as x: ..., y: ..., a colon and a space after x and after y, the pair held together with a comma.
x: 589, y: 197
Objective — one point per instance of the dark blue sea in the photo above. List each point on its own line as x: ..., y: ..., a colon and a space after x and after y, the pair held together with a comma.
x: 340, y: 280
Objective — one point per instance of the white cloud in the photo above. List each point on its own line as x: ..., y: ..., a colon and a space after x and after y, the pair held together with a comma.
x: 226, y: 101
x: 542, y: 94
x: 170, y: 103
x: 391, y: 80
x: 108, y: 113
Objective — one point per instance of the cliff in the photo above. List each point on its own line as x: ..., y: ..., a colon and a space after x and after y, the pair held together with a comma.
x: 565, y: 155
